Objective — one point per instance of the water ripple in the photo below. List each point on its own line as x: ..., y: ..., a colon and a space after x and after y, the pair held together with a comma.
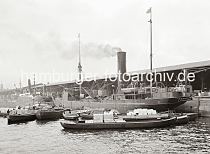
x: 50, y: 137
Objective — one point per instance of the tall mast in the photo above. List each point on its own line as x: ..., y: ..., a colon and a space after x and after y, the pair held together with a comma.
x: 20, y: 84
x: 150, y: 21
x: 80, y: 67
x: 34, y: 85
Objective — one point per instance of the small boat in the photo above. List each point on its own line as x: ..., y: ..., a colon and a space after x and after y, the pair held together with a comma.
x: 3, y: 114
x: 86, y: 115
x: 48, y: 114
x: 183, y: 119
x: 69, y: 116
x: 155, y: 123
x: 20, y: 115
x: 17, y: 118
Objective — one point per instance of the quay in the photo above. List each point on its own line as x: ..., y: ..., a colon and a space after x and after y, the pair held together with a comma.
x: 199, y: 104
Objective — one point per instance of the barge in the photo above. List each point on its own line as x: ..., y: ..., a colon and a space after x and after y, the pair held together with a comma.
x: 119, y: 125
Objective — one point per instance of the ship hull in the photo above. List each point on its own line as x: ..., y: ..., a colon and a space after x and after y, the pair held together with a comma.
x: 120, y: 125
x: 48, y: 115
x: 20, y: 118
x: 123, y: 106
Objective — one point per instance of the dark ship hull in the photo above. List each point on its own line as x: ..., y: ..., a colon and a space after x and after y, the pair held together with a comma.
x: 120, y: 125
x: 48, y: 114
x: 17, y: 118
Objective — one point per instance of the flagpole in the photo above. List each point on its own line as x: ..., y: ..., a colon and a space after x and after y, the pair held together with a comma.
x: 80, y: 67
x: 150, y: 21
x: 150, y: 39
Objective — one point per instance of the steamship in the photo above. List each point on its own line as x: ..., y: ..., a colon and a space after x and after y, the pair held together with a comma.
x: 161, y: 101
x: 131, y: 96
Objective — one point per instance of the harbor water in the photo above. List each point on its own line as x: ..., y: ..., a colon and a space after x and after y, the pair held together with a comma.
x: 50, y: 137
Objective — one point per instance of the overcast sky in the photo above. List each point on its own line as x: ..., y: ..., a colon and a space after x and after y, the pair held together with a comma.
x: 39, y: 36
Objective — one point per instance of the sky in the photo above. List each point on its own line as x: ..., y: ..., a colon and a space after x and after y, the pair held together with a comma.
x: 41, y: 36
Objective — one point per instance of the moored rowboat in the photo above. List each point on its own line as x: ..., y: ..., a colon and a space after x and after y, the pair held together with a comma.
x: 70, y: 116
x: 87, y: 116
x: 3, y: 114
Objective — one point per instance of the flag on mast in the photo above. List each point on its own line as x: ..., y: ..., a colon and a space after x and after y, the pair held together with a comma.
x: 149, y: 10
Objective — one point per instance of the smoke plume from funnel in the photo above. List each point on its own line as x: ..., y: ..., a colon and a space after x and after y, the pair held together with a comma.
x: 92, y: 50
x: 116, y: 49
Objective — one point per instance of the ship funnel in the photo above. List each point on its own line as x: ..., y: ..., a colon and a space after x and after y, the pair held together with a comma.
x: 121, y: 60
x: 121, y: 68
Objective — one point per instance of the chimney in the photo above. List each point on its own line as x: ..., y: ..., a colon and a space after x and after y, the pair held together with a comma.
x: 121, y: 68
x: 121, y: 60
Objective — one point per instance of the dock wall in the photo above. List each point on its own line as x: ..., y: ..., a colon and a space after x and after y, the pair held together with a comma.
x: 197, y: 105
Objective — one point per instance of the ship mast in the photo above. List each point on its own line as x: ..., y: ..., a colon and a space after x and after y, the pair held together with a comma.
x: 150, y: 21
x: 80, y: 67
x: 34, y: 85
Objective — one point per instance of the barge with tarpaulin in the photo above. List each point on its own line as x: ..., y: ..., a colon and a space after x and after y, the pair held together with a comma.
x: 107, y: 120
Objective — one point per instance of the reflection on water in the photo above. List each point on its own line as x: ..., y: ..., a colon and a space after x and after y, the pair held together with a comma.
x: 50, y: 137
x: 44, y: 122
